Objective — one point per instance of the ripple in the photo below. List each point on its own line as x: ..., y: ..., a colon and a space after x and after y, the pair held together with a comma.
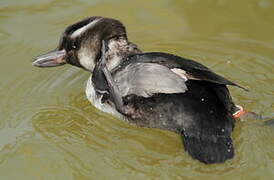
x: 48, y: 127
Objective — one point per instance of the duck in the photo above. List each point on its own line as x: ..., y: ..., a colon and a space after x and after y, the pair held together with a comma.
x: 150, y: 89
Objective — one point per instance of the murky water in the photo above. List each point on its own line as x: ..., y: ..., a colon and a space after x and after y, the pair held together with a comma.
x: 48, y: 130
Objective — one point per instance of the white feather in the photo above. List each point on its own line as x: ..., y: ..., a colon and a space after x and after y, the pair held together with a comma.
x: 86, y: 58
x: 84, y: 28
x: 96, y: 101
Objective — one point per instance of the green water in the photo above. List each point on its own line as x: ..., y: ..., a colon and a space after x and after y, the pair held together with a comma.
x: 48, y: 130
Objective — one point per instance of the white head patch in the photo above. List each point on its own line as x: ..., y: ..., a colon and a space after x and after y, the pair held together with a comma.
x: 86, y: 58
x: 84, y: 28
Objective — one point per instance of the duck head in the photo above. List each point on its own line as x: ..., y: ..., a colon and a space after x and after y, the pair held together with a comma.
x: 80, y: 44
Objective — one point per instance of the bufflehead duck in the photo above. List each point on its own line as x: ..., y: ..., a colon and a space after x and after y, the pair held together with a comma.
x: 154, y: 89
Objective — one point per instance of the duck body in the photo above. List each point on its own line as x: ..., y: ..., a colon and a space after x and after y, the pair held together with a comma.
x: 200, y: 111
x: 154, y: 89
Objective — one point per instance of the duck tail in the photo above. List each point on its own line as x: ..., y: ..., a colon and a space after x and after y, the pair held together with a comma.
x: 208, y: 147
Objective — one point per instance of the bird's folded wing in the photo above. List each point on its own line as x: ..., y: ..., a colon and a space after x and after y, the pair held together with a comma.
x: 146, y: 79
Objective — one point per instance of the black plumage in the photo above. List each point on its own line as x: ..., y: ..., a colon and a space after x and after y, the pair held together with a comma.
x: 202, y: 115
x: 154, y: 89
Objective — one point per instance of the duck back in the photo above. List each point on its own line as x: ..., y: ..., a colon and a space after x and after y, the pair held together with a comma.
x: 199, y: 115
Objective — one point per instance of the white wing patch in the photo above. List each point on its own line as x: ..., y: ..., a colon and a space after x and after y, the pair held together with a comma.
x: 146, y: 79
x: 180, y: 72
x: 183, y: 74
x: 81, y: 30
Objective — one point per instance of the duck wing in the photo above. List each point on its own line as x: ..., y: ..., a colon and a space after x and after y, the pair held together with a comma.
x: 146, y: 79
x: 156, y: 72
x: 182, y: 66
x: 181, y: 95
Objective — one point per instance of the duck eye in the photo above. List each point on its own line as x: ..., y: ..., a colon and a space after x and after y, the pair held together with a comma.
x: 73, y: 46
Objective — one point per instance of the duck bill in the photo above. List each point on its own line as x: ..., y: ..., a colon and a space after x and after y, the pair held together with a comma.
x: 51, y: 59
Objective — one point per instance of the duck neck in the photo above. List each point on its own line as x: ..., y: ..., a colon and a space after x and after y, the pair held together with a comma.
x: 119, y: 48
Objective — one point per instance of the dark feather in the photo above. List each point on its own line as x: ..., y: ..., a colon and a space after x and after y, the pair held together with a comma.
x: 193, y: 68
x: 199, y: 115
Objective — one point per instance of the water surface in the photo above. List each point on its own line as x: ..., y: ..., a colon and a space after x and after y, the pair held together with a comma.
x: 48, y: 130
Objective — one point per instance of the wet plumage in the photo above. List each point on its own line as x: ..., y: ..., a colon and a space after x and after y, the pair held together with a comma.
x: 154, y: 89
